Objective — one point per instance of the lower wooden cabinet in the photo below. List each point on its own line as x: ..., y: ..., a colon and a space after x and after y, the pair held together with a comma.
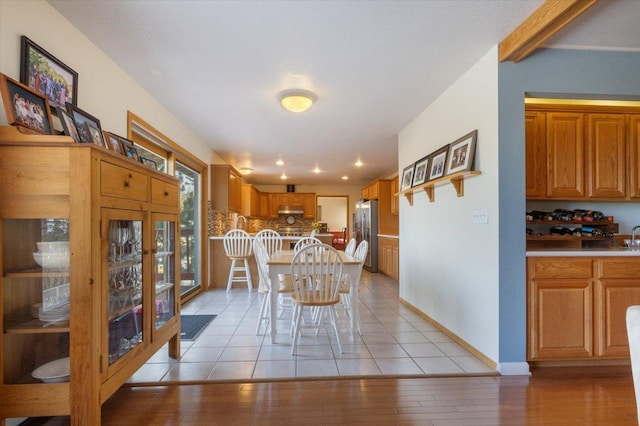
x: 576, y: 306
x: 389, y: 256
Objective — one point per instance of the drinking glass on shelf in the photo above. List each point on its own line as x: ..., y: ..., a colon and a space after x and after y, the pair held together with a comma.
x: 123, y: 238
x: 135, y: 236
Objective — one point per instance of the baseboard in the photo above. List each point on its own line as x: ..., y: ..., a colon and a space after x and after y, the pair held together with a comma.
x: 482, y: 357
x: 513, y: 369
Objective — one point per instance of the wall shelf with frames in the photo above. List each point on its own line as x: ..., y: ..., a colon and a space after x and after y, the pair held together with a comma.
x: 455, y: 179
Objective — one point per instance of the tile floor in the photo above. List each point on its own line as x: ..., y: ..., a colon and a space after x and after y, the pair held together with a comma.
x: 395, y: 341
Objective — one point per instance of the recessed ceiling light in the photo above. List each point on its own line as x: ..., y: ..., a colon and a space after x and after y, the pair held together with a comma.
x: 316, y: 170
x: 297, y: 100
x: 358, y: 163
x: 245, y: 170
x: 284, y: 176
x: 280, y: 162
x: 345, y: 177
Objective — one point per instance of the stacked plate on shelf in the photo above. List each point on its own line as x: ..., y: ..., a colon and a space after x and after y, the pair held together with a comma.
x: 52, y: 254
x: 58, y: 314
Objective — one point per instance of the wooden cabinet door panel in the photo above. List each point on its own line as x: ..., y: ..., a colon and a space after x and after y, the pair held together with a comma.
x: 309, y: 205
x: 606, y: 155
x: 613, y: 297
x: 633, y: 147
x: 560, y: 267
x: 535, y: 155
x: 565, y: 155
x: 395, y: 200
x: 264, y: 205
x: 560, y: 319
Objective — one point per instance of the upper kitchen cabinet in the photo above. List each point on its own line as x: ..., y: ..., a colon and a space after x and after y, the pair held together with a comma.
x: 535, y: 154
x: 226, y: 188
x: 309, y: 205
x: 395, y: 201
x: 380, y: 189
x: 565, y: 155
x: 371, y: 191
x: 634, y: 156
x: 606, y: 159
x: 250, y: 200
x: 306, y: 200
x: 582, y: 152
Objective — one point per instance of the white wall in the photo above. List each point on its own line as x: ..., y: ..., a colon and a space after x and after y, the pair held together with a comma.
x: 334, y: 212
x: 105, y: 90
x: 448, y: 266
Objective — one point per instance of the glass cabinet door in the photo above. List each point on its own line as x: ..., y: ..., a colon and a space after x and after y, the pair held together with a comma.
x: 165, y: 270
x: 35, y: 297
x: 124, y: 291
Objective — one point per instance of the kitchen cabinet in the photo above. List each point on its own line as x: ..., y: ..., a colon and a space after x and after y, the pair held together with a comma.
x: 395, y: 201
x: 371, y: 191
x: 606, y: 156
x: 250, y: 200
x: 264, y: 205
x: 387, y: 221
x: 226, y: 188
x: 581, y: 152
x: 565, y: 155
x: 108, y: 301
x: 535, y: 155
x: 389, y: 256
x: 576, y: 306
x: 634, y: 156
x: 306, y: 200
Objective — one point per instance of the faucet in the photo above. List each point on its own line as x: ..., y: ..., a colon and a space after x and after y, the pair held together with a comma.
x: 244, y: 221
x: 633, y: 236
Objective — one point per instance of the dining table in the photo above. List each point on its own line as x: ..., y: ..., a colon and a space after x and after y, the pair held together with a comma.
x: 280, y: 263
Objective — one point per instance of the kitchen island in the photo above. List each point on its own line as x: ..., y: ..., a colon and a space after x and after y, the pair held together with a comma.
x: 219, y: 263
x: 576, y: 304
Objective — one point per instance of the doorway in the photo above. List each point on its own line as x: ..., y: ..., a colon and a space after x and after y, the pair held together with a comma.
x: 334, y: 211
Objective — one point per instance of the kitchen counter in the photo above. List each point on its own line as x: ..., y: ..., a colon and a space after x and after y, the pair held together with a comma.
x: 583, y: 252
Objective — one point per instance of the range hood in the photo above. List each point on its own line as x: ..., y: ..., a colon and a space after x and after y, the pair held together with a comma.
x: 290, y: 210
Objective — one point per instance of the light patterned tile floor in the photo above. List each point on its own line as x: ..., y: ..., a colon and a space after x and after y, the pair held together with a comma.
x: 395, y: 341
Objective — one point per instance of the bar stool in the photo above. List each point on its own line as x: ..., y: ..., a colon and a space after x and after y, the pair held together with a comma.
x: 237, y: 246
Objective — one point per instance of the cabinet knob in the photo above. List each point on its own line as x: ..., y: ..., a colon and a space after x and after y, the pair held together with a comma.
x: 166, y: 193
x: 126, y: 183
x: 145, y: 251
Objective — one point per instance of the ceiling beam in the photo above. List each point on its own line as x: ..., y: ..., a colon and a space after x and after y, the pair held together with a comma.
x: 548, y: 19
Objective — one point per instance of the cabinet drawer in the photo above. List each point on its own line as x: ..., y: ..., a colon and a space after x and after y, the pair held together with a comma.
x: 164, y: 193
x: 560, y: 268
x: 119, y: 182
x: 620, y: 268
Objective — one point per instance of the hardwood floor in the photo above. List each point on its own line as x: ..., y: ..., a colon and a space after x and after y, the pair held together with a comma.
x: 552, y: 396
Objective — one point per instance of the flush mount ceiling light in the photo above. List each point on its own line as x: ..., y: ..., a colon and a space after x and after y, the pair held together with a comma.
x: 297, y: 100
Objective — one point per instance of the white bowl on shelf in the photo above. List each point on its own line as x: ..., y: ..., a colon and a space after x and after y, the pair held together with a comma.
x: 52, y: 260
x: 56, y: 371
x: 53, y: 246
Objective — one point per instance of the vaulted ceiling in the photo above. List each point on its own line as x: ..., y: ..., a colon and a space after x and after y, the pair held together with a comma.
x: 374, y: 65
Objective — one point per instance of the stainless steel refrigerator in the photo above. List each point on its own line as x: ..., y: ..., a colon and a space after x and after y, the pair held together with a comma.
x: 365, y: 227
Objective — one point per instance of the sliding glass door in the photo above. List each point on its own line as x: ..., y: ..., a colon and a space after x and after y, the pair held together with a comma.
x: 190, y: 241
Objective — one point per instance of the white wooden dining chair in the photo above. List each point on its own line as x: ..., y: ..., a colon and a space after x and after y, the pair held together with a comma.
x: 238, y: 248
x: 345, y: 286
x: 317, y: 272
x: 633, y: 336
x: 272, y: 242
x: 351, y: 247
x: 305, y: 241
x: 283, y: 286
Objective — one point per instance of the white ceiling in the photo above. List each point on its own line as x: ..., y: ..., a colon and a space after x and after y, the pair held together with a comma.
x: 375, y: 65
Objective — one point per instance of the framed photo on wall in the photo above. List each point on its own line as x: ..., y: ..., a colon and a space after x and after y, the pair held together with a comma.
x: 420, y: 171
x: 25, y: 107
x: 438, y: 162
x: 407, y: 178
x: 47, y: 75
x: 462, y: 153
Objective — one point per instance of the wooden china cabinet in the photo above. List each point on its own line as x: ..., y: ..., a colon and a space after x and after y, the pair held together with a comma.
x: 108, y: 299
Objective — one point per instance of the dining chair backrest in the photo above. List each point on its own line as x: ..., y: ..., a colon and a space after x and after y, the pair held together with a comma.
x: 313, y: 233
x: 261, y: 255
x: 303, y: 242
x: 270, y: 239
x: 361, y: 251
x: 351, y: 247
x: 237, y: 243
x: 317, y: 272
